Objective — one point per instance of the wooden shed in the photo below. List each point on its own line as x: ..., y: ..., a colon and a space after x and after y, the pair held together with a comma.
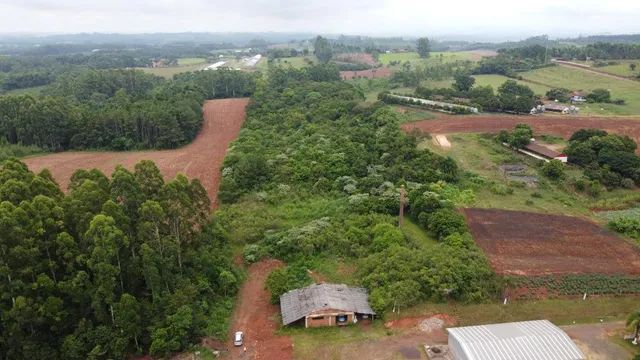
x: 325, y: 305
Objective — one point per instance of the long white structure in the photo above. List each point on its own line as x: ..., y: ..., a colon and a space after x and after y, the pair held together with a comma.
x: 526, y: 340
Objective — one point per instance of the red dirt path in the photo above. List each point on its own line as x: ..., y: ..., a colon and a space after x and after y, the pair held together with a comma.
x: 255, y: 316
x: 523, y: 243
x: 200, y: 159
x: 554, y: 125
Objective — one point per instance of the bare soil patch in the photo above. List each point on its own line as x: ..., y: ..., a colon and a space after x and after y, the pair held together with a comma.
x: 523, y: 243
x: 257, y: 318
x: 201, y: 159
x: 552, y: 125
x: 442, y: 141
x: 595, y: 340
x: 378, y: 73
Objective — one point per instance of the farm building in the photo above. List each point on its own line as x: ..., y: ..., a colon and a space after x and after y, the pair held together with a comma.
x: 325, y: 305
x: 538, y: 339
x: 578, y: 97
x: 542, y: 152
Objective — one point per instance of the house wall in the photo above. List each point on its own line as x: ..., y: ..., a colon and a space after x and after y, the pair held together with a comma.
x: 326, y: 318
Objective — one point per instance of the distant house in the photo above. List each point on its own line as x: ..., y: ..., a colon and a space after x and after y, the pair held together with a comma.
x: 542, y: 152
x: 538, y: 339
x: 325, y: 305
x: 578, y: 97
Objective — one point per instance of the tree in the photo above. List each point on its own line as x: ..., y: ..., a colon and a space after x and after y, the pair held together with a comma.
x: 632, y: 66
x: 463, y: 81
x: 322, y: 49
x: 599, y: 96
x: 521, y: 136
x: 423, y: 47
x: 553, y: 169
x: 515, y: 97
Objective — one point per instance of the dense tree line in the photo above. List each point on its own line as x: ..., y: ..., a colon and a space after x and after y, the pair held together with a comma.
x: 598, y: 51
x: 117, y: 109
x: 304, y: 139
x: 118, y: 266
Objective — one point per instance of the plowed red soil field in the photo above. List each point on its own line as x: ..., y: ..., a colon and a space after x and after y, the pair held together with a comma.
x: 201, y: 159
x: 379, y: 73
x: 257, y: 318
x: 552, y: 125
x: 523, y: 243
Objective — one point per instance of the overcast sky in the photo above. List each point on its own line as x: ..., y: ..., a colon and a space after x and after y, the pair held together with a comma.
x: 495, y: 18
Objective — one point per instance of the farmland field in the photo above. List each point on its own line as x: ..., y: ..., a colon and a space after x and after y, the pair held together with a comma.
x: 296, y: 62
x: 552, y: 125
x: 168, y: 72
x: 379, y: 73
x: 578, y: 79
x: 496, y: 80
x: 515, y: 244
x: 436, y: 57
x: 201, y: 159
x: 622, y: 69
x: 191, y: 61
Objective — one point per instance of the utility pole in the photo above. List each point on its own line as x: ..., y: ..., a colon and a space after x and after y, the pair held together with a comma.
x: 403, y: 201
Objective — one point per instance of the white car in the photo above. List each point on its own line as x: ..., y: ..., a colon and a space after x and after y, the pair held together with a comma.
x: 238, y: 338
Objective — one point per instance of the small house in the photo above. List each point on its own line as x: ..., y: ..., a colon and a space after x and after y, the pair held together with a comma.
x: 538, y: 339
x: 578, y: 97
x: 543, y: 153
x: 325, y: 305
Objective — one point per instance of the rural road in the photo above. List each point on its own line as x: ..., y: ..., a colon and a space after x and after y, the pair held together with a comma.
x: 200, y: 159
x: 563, y: 126
x: 590, y: 70
x: 256, y: 317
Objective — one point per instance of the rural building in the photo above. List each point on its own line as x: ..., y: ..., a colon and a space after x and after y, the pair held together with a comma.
x: 438, y: 105
x: 578, y: 97
x: 325, y: 305
x: 542, y: 152
x: 555, y: 107
x: 538, y: 339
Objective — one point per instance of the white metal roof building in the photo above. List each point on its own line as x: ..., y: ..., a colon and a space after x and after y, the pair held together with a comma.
x: 533, y: 340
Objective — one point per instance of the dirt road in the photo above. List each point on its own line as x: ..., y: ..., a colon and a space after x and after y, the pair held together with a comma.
x: 255, y: 316
x: 590, y: 69
x: 554, y: 125
x: 595, y: 340
x: 201, y: 159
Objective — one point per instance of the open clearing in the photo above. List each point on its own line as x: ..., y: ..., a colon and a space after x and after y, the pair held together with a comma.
x: 200, y: 159
x: 360, y: 58
x: 379, y: 73
x: 524, y: 243
x: 552, y: 125
x: 436, y: 57
x: 442, y: 141
x: 582, y: 79
x: 257, y: 318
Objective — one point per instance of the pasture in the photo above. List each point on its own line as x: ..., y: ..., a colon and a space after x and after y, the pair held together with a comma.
x: 191, y: 61
x: 168, y: 72
x: 496, y: 80
x: 435, y: 58
x: 579, y: 79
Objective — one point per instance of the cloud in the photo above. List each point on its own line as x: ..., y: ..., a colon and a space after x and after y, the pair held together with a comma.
x: 497, y: 18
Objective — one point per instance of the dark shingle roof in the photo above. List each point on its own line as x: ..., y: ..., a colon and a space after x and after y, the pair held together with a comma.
x: 542, y: 150
x: 299, y: 303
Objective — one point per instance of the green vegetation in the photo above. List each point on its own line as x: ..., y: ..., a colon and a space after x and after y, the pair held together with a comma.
x: 316, y: 137
x: 480, y: 156
x: 191, y: 61
x: 577, y: 79
x: 117, y: 267
x: 435, y: 57
x: 16, y: 150
x: 117, y: 109
x: 170, y: 71
x: 496, y: 80
x: 558, y: 311
x: 608, y: 159
x: 578, y: 284
x: 423, y: 47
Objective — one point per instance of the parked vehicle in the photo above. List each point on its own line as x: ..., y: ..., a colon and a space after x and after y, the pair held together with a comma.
x: 238, y: 338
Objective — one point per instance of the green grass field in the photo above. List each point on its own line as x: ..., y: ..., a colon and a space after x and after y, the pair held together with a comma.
x: 577, y: 79
x: 622, y: 69
x: 168, y: 72
x: 435, y: 58
x: 296, y: 62
x: 191, y: 61
x: 496, y: 80
x: 481, y: 155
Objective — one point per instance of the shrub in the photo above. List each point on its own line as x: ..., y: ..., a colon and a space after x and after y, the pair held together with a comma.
x: 445, y: 222
x: 286, y: 279
x: 553, y: 169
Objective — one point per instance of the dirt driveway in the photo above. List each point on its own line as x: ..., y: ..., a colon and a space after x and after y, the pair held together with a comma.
x: 595, y: 340
x: 257, y: 318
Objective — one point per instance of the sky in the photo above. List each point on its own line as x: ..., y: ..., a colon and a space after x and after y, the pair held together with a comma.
x: 498, y: 19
